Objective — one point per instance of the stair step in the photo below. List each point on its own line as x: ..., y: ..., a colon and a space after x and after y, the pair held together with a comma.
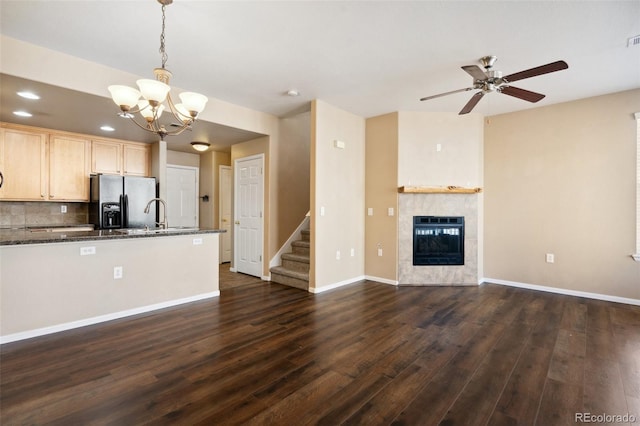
x: 301, y: 247
x: 291, y: 278
x: 296, y: 262
x: 305, y: 235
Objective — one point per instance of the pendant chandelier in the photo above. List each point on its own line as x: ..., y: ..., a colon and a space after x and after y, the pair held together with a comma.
x: 149, y: 100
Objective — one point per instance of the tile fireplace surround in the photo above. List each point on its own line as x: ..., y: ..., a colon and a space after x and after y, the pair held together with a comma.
x: 439, y: 204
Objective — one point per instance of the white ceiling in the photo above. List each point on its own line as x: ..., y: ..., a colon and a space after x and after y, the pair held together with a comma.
x: 367, y: 57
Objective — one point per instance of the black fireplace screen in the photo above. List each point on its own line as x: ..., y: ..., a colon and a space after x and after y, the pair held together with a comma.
x: 438, y: 240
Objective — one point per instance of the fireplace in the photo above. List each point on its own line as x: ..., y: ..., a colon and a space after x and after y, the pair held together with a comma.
x: 438, y: 240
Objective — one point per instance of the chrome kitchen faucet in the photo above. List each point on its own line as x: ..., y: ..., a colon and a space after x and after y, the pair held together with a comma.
x: 164, y: 224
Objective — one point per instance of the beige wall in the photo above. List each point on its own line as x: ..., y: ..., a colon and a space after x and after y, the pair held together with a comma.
x: 337, y: 185
x: 210, y: 163
x: 561, y: 179
x: 459, y: 162
x: 381, y: 193
x: 293, y: 176
x: 67, y: 287
x: 188, y: 159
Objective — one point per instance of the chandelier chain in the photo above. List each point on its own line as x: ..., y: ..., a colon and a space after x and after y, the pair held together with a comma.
x: 163, y: 53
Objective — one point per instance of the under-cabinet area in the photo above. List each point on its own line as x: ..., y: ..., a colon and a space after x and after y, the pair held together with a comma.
x: 38, y: 164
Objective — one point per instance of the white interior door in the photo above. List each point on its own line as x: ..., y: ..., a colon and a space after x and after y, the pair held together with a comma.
x: 248, y: 226
x: 225, y: 213
x: 182, y: 196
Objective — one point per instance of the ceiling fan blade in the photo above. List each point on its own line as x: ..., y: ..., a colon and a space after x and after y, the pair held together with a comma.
x: 475, y: 72
x: 533, y: 72
x: 445, y: 94
x: 472, y: 103
x: 521, y: 93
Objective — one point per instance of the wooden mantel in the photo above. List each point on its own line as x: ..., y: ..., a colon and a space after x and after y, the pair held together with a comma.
x: 438, y: 190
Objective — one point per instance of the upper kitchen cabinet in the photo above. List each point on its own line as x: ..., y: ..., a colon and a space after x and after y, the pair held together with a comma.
x: 120, y: 158
x: 23, y: 164
x: 137, y: 159
x: 106, y: 157
x: 69, y: 158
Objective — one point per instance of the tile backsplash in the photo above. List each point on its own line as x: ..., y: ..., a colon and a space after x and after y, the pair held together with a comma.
x: 17, y: 214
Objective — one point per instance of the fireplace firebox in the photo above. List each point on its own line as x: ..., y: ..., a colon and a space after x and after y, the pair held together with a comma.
x: 438, y: 240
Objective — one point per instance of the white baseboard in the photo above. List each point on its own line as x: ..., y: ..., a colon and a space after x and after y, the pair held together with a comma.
x: 381, y: 280
x: 102, y: 318
x: 232, y: 269
x: 564, y: 291
x: 266, y: 278
x: 336, y: 285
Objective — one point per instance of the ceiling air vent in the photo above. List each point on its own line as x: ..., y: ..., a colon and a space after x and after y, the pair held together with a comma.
x: 634, y: 41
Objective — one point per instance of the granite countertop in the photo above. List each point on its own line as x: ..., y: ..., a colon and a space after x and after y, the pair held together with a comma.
x: 26, y: 235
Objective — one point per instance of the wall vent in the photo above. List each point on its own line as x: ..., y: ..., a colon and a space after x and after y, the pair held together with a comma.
x: 634, y: 41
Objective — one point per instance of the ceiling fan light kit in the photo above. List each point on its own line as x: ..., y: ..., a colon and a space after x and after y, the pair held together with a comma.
x: 152, y: 94
x: 491, y: 80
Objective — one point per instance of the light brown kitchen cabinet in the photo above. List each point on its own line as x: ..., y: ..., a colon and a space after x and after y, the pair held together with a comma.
x: 106, y: 157
x: 69, y: 168
x: 23, y: 164
x: 120, y: 158
x: 137, y: 159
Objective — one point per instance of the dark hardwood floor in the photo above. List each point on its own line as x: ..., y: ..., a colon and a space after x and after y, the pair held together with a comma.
x: 368, y: 354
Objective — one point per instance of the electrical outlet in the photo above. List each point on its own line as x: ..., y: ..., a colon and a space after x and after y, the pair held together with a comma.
x: 353, y: 252
x: 117, y: 272
x: 63, y: 209
x: 338, y: 255
x: 370, y: 211
x: 390, y: 211
x: 84, y: 251
x: 550, y: 258
x: 197, y: 241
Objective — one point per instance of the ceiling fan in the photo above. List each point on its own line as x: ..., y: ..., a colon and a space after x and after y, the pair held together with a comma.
x: 492, y: 81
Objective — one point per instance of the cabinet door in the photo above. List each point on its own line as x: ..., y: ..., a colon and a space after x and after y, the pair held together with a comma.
x: 106, y: 157
x: 68, y: 168
x: 137, y: 160
x: 23, y: 163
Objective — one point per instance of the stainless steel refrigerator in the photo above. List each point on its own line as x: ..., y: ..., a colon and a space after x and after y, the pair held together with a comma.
x: 119, y: 201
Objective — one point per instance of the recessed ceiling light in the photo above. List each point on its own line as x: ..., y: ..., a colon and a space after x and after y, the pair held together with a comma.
x: 28, y: 95
x: 22, y: 114
x: 107, y: 128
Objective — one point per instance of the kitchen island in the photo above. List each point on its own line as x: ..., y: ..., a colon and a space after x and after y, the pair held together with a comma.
x: 55, y: 281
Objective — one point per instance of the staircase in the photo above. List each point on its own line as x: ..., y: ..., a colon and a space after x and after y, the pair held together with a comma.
x: 294, y: 270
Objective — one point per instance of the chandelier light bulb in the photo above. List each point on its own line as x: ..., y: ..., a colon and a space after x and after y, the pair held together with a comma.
x: 193, y: 102
x: 148, y: 112
x: 183, y: 113
x: 153, y: 90
x: 124, y: 96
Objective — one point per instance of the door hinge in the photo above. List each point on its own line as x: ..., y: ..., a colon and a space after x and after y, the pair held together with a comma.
x: 260, y: 214
x: 260, y: 258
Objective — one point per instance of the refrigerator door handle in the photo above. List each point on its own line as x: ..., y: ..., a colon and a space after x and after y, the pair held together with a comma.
x: 124, y: 202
